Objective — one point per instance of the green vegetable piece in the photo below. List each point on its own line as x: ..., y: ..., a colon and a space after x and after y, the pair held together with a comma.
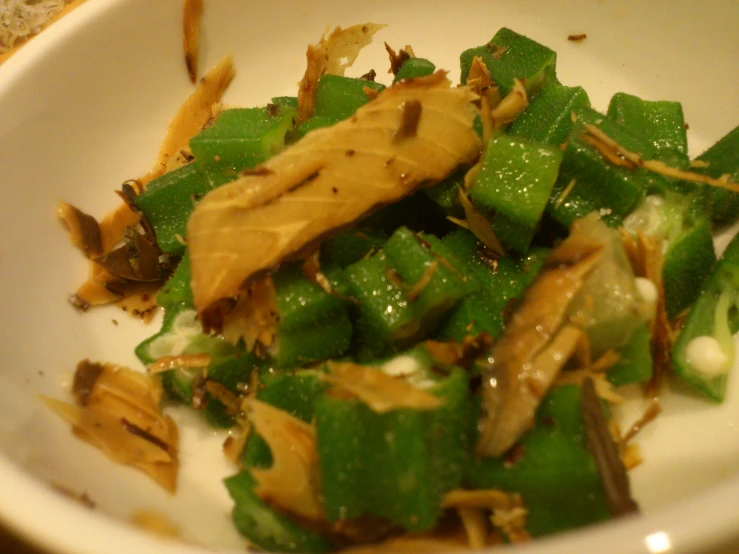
x: 425, y: 262
x: 240, y: 139
x: 501, y: 282
x: 548, y: 118
x: 350, y: 246
x: 588, y: 182
x: 337, y: 98
x: 266, y: 528
x: 445, y: 194
x: 182, y: 334
x: 723, y: 160
x: 292, y: 392
x: 167, y: 203
x: 513, y: 186
x: 704, y: 351
x: 510, y: 56
x: 414, y: 67
x: 660, y: 122
x: 690, y: 255
x: 550, y: 467
x: 177, y: 288
x: 286, y: 101
x: 395, y: 465
x: 313, y: 325
x: 634, y: 364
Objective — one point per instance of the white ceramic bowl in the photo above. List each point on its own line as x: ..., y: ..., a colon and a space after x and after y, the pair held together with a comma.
x: 83, y: 108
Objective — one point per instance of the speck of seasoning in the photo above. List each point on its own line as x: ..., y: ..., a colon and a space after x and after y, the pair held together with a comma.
x: 350, y: 152
x: 217, y: 158
x: 41, y: 373
x: 334, y: 190
x: 115, y: 321
x: 577, y: 38
x: 687, y: 126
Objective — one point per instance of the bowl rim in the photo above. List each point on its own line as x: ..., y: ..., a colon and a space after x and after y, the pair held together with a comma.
x: 703, y: 521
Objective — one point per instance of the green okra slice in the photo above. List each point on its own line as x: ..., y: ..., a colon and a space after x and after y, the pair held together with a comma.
x: 167, y: 203
x: 239, y: 139
x: 510, y: 56
x: 396, y: 465
x: 383, y: 317
x: 294, y: 392
x: 501, y: 282
x: 177, y: 289
x: 689, y: 257
x: 413, y: 68
x: 445, y: 194
x: 513, y: 186
x: 424, y: 262
x: 722, y: 159
x: 264, y: 527
x: 661, y: 122
x: 588, y: 182
x: 312, y: 324
x: 337, y: 98
x: 550, y: 467
x: 704, y: 351
x: 350, y: 246
x: 634, y: 363
x: 181, y: 334
x: 548, y: 118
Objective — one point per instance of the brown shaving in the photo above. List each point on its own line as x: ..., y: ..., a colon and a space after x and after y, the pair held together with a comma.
x: 332, y: 54
x: 577, y: 38
x: 379, y: 391
x: 479, y: 225
x: 511, y: 106
x: 607, y: 457
x: 156, y: 523
x: 192, y: 15
x: 416, y: 290
x: 291, y: 483
x: 398, y: 59
x: 649, y: 415
x: 617, y: 154
x: 84, y: 231
x: 121, y: 416
x: 565, y: 193
x: 411, y: 111
x: 183, y: 361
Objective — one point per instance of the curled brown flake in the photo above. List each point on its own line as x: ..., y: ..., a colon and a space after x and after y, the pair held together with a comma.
x: 192, y: 14
x: 411, y: 111
x: 399, y: 58
x: 577, y: 38
x: 600, y: 443
x: 369, y: 76
x: 84, y: 380
x: 144, y: 434
x: 137, y: 260
x: 84, y: 230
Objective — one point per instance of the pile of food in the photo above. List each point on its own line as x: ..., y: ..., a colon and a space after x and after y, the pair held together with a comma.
x: 413, y: 304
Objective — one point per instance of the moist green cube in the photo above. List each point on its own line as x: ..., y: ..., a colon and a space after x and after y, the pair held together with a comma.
x: 548, y: 118
x: 660, y: 122
x: 396, y: 465
x: 337, y: 98
x: 414, y: 67
x: 240, y: 139
x: 167, y: 203
x: 722, y: 159
x: 513, y: 187
x: 589, y: 182
x: 510, y: 56
x: 550, y: 467
x: 414, y: 257
x: 634, y: 363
